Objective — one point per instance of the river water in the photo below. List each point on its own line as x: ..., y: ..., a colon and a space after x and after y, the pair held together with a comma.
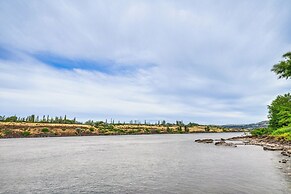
x: 137, y: 164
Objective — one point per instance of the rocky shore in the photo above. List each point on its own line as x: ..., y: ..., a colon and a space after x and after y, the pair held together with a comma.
x: 268, y: 143
x: 217, y: 142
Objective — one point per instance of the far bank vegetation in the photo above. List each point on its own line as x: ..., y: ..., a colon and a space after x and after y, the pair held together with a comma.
x: 33, y: 126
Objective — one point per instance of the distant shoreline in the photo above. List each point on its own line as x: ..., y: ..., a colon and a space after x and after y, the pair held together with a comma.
x: 35, y: 130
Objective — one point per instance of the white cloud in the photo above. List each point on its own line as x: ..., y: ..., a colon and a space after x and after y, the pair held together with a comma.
x: 209, y: 62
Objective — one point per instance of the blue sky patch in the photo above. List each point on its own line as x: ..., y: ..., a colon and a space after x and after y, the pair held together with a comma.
x: 5, y: 54
x: 103, y: 66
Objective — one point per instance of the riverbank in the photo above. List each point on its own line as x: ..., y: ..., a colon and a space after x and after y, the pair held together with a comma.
x: 23, y: 129
x: 269, y: 143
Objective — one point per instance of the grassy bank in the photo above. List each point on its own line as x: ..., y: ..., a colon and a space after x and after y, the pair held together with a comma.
x: 18, y: 129
x: 281, y: 133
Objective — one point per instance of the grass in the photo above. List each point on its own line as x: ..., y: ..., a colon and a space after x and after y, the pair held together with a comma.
x: 7, y: 132
x: 284, y: 132
x: 25, y: 133
x: 45, y: 130
x: 261, y: 131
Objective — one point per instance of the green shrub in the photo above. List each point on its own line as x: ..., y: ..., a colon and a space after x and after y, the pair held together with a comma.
x: 207, y: 128
x: 282, y: 130
x: 25, y: 133
x: 91, y: 129
x: 64, y: 129
x: 78, y: 130
x: 45, y: 130
x: 280, y: 111
x: 7, y: 132
x: 261, y: 131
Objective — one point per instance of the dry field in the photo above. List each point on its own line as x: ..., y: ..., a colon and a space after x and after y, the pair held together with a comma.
x: 18, y: 129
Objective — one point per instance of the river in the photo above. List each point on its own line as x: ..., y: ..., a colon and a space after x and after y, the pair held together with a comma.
x: 171, y: 163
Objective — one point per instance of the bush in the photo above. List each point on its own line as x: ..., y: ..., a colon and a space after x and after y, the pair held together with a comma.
x: 7, y: 132
x: 284, y: 132
x: 261, y: 131
x: 78, y: 130
x: 26, y: 133
x: 280, y: 111
x: 45, y: 130
x: 91, y: 129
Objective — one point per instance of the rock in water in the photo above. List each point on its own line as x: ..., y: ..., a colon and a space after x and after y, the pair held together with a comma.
x: 204, y: 140
x: 285, y: 153
x: 223, y: 143
x: 275, y: 148
x: 284, y: 160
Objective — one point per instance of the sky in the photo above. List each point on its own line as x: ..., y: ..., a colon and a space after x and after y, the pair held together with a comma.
x: 203, y: 61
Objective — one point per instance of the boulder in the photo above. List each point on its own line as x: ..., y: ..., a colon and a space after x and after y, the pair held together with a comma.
x: 223, y: 143
x: 284, y: 160
x: 285, y: 153
x: 204, y: 140
x: 273, y: 148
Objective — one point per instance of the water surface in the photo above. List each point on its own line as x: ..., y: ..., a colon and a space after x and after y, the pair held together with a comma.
x: 137, y: 164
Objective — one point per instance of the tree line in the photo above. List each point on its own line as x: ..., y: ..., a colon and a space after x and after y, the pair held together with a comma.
x: 64, y: 120
x: 37, y: 119
x: 280, y: 108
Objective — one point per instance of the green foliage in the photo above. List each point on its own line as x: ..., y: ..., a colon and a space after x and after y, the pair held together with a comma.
x: 25, y: 133
x: 261, y: 131
x: 7, y: 132
x: 284, y: 132
x: 91, y: 129
x: 34, y: 118
x: 45, y: 130
x: 207, y: 128
x: 192, y: 124
x: 89, y: 122
x: 11, y: 119
x: 283, y: 68
x: 78, y: 130
x: 280, y: 111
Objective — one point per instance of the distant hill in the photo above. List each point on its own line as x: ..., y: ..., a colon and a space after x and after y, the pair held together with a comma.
x: 262, y: 124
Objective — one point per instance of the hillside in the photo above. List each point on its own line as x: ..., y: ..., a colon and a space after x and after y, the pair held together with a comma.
x: 262, y: 124
x: 20, y: 129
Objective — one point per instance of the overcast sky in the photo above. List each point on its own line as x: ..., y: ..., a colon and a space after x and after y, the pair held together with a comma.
x: 201, y: 61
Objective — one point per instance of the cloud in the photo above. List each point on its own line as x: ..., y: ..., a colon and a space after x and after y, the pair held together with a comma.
x: 190, y: 60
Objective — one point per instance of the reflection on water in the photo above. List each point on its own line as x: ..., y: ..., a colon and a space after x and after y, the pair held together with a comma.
x: 137, y: 164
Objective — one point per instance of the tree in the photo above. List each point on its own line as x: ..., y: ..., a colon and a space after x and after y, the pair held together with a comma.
x: 283, y: 68
x: 280, y: 111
